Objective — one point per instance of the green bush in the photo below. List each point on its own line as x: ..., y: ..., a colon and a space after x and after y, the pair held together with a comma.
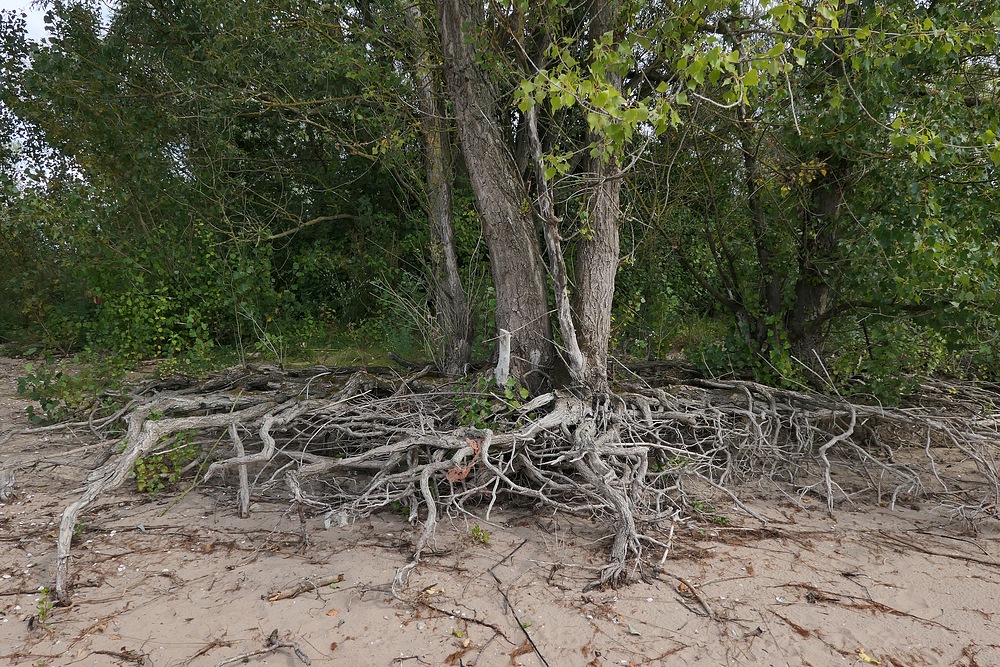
x: 62, y: 394
x: 160, y: 472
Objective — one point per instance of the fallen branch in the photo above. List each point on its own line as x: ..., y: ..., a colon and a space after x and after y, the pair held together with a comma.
x: 204, y: 650
x: 908, y: 544
x: 303, y: 587
x: 126, y: 655
x: 689, y: 590
x: 521, y: 624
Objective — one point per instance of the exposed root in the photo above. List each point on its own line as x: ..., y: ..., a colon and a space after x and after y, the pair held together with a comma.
x: 347, y: 446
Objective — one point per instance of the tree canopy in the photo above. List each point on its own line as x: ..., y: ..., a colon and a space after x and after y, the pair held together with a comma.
x: 810, y: 184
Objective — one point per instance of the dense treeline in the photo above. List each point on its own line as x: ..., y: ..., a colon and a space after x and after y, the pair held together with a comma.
x: 805, y: 191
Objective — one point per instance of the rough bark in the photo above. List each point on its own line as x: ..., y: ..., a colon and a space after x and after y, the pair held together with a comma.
x: 501, y: 197
x: 595, y: 271
x: 818, y: 250
x: 769, y: 285
x: 597, y: 257
x: 451, y: 303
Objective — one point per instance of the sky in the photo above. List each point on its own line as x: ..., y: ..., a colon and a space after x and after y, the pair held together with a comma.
x: 36, y: 26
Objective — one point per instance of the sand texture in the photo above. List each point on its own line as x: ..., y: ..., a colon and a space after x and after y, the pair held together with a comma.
x: 171, y: 581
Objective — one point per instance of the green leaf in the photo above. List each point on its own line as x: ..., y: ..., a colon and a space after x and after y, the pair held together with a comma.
x: 995, y: 155
x: 601, y: 99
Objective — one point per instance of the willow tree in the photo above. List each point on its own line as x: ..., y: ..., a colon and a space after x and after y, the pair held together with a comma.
x: 506, y: 149
x: 501, y: 193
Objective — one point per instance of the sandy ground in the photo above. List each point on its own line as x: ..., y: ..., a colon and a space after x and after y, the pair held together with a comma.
x: 165, y: 583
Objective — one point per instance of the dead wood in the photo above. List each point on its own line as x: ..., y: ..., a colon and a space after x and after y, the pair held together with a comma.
x: 910, y: 544
x: 521, y: 624
x: 126, y: 655
x: 302, y: 587
x: 272, y: 645
x: 636, y: 459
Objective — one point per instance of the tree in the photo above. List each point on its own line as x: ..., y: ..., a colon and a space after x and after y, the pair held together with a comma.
x: 803, y: 191
x: 236, y: 164
x: 450, y: 299
x: 583, y: 96
x: 503, y: 200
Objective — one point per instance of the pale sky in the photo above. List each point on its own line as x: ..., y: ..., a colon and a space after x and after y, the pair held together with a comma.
x: 36, y: 26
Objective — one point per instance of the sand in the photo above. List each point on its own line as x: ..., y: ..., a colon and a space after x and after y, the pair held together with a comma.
x: 167, y: 581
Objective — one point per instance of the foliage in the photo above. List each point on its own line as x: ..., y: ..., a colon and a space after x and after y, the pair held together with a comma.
x: 479, y: 534
x: 819, y: 176
x: 191, y: 249
x: 45, y: 605
x: 485, y: 402
x: 61, y: 394
x: 832, y: 201
x: 161, y: 471
x: 708, y: 511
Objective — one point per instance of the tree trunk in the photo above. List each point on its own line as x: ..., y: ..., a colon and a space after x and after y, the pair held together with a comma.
x: 818, y: 247
x: 571, y: 354
x: 817, y: 253
x: 764, y: 327
x: 501, y: 197
x: 597, y: 257
x: 595, y: 271
x: 454, y: 318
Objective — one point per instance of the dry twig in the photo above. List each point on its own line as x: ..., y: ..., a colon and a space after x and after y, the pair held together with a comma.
x: 302, y: 587
x: 272, y: 645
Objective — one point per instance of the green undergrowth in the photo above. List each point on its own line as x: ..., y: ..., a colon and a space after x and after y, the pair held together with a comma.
x: 484, y: 402
x: 68, y: 388
x: 883, y: 363
x: 163, y: 471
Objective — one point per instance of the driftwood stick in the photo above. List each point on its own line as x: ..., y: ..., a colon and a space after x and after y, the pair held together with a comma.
x: 521, y: 624
x: 502, y: 371
x: 908, y: 544
x: 694, y: 593
x: 302, y: 587
x: 244, y: 492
